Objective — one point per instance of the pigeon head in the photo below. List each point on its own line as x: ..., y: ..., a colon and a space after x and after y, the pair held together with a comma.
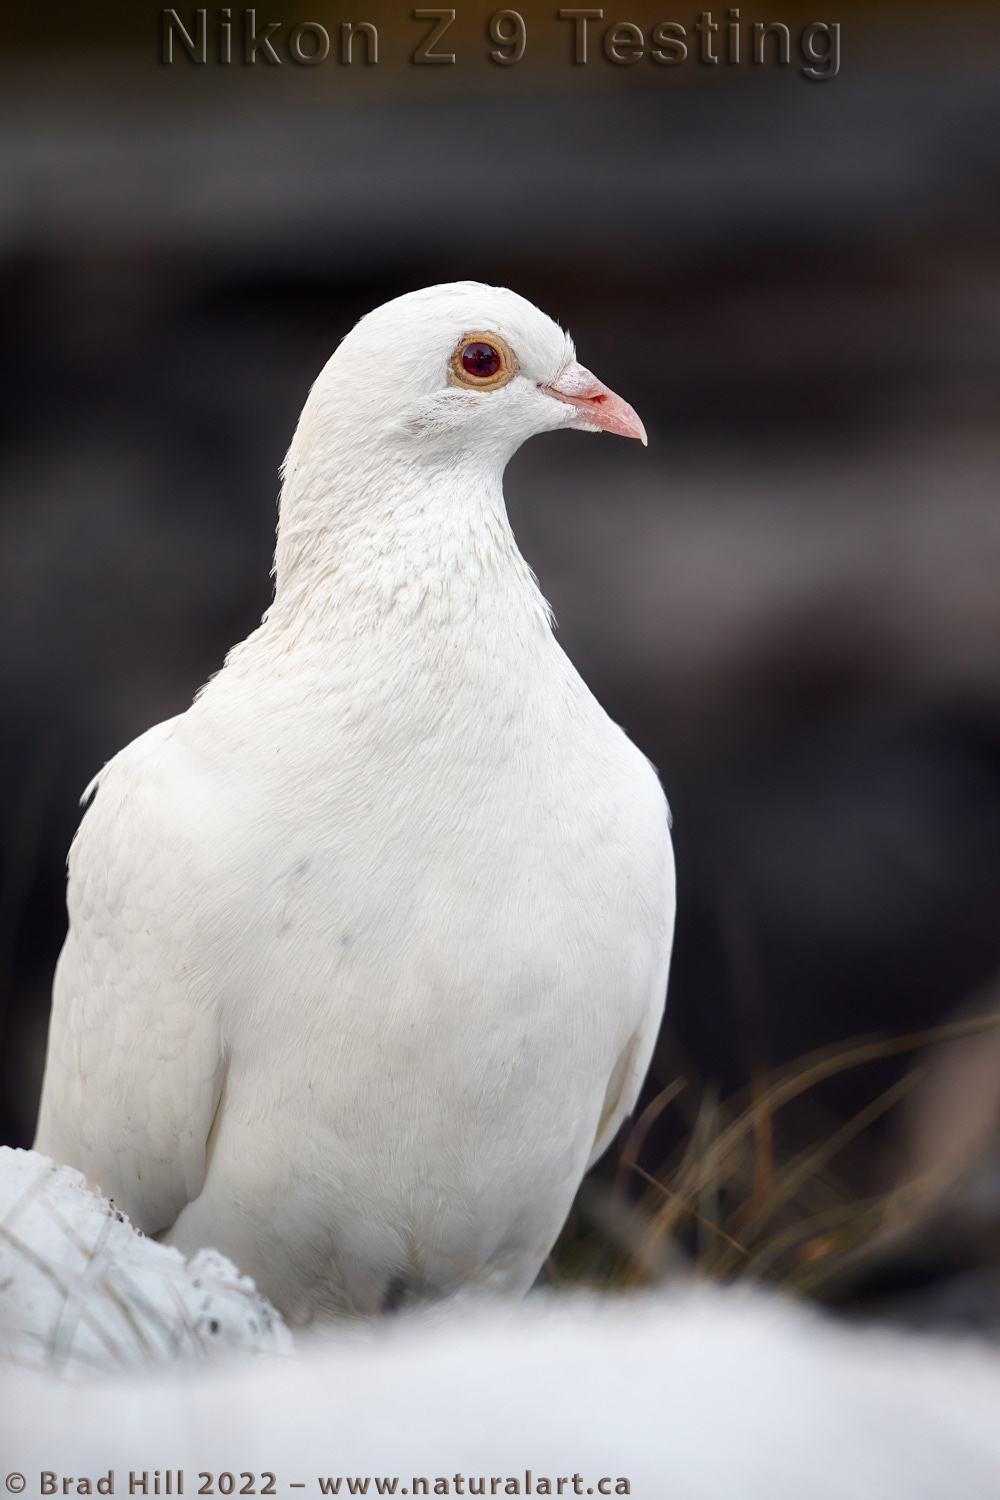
x: 395, y: 471
x: 463, y: 366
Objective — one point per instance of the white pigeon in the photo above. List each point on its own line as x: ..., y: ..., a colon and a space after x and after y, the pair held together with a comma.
x: 368, y: 949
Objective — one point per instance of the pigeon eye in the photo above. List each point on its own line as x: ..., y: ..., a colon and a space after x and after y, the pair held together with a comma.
x: 482, y: 362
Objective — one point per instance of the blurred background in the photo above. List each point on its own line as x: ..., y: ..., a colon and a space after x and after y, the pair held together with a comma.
x: 791, y: 600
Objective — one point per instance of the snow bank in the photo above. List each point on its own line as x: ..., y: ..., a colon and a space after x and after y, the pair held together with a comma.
x: 81, y: 1289
x: 688, y: 1394
x: 698, y: 1395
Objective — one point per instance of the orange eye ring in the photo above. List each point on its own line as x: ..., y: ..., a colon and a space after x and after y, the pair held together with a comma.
x: 482, y: 361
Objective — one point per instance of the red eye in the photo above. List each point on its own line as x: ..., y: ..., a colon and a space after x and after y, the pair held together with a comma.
x: 481, y: 360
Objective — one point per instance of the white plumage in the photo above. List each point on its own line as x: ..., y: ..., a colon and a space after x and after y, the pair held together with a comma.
x: 368, y: 949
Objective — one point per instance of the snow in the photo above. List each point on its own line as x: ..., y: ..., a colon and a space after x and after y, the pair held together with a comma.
x: 80, y: 1289
x: 688, y: 1393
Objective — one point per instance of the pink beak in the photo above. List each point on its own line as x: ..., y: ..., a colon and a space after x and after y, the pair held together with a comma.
x: 595, y: 402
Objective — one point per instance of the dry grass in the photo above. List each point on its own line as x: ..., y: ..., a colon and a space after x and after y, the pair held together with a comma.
x: 734, y: 1202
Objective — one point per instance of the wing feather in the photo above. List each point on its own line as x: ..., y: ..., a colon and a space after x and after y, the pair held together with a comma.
x: 135, y: 1068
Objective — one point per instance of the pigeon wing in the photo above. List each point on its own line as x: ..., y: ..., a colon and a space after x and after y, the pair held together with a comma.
x: 135, y: 1067
x: 629, y: 1073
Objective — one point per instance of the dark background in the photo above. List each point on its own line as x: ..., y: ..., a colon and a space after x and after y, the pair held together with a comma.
x: 791, y: 600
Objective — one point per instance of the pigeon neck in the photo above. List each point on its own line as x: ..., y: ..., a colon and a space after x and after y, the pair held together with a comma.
x: 380, y: 543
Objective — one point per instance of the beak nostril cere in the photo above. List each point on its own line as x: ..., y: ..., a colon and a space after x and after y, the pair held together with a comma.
x: 598, y: 405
